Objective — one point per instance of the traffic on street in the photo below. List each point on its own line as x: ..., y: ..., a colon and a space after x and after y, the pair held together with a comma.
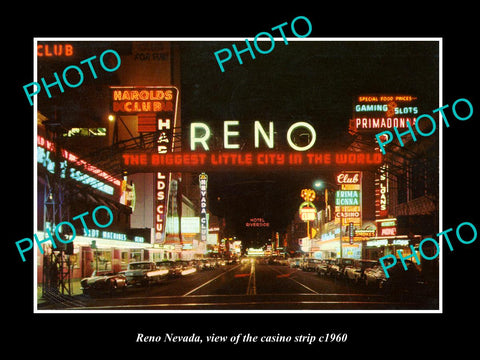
x: 255, y: 284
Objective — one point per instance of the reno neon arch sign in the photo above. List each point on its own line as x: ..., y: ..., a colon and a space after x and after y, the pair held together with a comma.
x: 200, y: 134
x: 231, y: 156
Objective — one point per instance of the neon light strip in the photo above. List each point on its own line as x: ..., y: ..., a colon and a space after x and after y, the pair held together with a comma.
x: 41, y: 141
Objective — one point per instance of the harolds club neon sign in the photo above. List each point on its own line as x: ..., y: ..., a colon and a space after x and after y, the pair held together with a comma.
x: 156, y: 110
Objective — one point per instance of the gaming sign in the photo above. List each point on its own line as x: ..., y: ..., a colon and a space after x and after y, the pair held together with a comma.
x: 383, y: 111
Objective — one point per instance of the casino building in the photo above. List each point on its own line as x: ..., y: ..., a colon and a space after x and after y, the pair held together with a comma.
x: 399, y: 198
x: 156, y: 216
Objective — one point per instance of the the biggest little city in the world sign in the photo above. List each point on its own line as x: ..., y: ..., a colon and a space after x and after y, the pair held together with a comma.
x: 200, y: 157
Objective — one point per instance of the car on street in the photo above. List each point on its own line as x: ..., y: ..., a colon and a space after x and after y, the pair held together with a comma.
x: 186, y: 267
x: 337, y: 269
x: 294, y: 262
x: 174, y: 268
x: 310, y: 264
x: 374, y: 276
x: 145, y: 273
x: 322, y: 267
x: 355, y: 270
x: 103, y: 282
x: 203, y: 264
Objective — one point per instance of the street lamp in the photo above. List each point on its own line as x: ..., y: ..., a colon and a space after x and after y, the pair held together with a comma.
x: 317, y: 184
x: 320, y: 184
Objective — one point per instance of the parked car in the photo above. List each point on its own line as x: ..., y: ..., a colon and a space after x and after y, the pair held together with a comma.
x: 294, y: 262
x: 186, y: 267
x: 221, y: 262
x: 174, y: 268
x: 281, y: 261
x: 203, y: 264
x: 310, y: 264
x: 374, y: 276
x: 103, y: 282
x: 337, y: 269
x: 354, y: 271
x: 145, y: 273
x: 322, y: 267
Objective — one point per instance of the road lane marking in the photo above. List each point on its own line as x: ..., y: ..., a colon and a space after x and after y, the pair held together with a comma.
x: 252, y: 287
x: 298, y: 282
x: 209, y: 281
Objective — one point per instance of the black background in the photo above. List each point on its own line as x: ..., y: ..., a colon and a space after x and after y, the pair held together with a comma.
x: 371, y: 334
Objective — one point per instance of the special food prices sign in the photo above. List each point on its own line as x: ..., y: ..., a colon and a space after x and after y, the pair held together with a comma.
x: 383, y: 111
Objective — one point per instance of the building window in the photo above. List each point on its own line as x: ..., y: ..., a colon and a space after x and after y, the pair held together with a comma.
x: 102, y: 260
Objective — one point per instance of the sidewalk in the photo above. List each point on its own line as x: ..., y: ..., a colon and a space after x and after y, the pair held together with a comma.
x: 74, y: 290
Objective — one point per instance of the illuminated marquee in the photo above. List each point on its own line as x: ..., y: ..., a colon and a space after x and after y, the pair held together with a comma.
x: 381, y: 192
x: 54, y: 50
x: 387, y: 227
x: 257, y: 222
x: 211, y: 161
x: 348, y: 200
x: 365, y: 233
x: 46, y: 147
x: 128, y: 100
x: 190, y: 224
x: 162, y: 181
x: 109, y: 235
x: 86, y: 132
x: 349, y: 178
x: 203, y: 183
x: 156, y: 110
x: 255, y: 252
x: 343, y: 198
x: 200, y: 134
x: 377, y: 112
x: 307, y: 211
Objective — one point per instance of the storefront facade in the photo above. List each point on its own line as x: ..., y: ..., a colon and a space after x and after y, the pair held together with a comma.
x: 92, y: 253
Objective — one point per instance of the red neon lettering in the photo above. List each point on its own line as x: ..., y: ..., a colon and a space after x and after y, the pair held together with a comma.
x: 319, y: 158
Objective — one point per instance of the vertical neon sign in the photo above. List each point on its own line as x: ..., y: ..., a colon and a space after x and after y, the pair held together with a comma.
x: 203, y: 181
x: 381, y: 192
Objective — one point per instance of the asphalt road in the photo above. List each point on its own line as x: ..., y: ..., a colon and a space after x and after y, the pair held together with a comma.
x: 250, y: 286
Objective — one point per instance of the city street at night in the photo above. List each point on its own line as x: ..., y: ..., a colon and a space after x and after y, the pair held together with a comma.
x: 252, y: 285
x: 159, y: 162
